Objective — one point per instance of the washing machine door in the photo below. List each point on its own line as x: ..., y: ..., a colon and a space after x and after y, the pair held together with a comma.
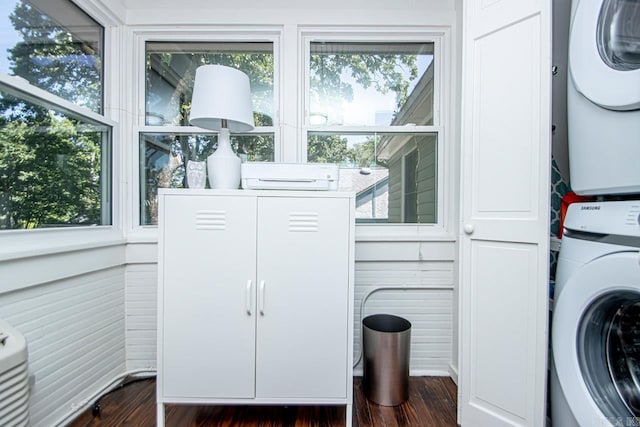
x: 596, y: 340
x: 604, y: 52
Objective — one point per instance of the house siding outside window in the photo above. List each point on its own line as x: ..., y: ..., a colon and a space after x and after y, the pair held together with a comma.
x: 371, y: 101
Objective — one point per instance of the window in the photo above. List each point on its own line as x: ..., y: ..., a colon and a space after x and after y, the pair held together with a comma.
x: 367, y: 100
x: 55, y: 46
x: 167, y: 141
x: 55, y: 158
x: 371, y: 108
x: 163, y: 157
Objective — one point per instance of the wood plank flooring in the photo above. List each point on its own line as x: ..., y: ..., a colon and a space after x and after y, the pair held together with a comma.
x: 432, y: 403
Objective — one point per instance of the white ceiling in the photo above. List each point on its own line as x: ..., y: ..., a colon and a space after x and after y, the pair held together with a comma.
x: 280, y: 4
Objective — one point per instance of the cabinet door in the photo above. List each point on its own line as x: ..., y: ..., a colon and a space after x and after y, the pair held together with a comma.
x: 303, y: 271
x: 209, y: 320
x: 504, y: 255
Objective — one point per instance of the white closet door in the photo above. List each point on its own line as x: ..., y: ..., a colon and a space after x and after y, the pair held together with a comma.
x: 209, y: 303
x: 303, y: 266
x: 504, y: 247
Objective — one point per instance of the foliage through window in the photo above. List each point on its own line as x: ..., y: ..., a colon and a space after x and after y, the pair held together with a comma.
x: 54, y: 167
x: 55, y: 159
x: 55, y: 46
x: 169, y: 76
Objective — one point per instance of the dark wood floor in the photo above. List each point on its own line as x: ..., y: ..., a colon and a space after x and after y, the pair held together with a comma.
x: 432, y: 403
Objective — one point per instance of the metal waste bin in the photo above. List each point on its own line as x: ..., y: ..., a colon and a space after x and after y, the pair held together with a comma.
x: 386, y: 346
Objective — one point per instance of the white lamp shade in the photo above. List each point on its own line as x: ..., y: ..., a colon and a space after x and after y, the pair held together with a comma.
x: 221, y: 93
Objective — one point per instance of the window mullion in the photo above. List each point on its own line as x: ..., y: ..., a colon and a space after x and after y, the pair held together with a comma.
x: 21, y: 88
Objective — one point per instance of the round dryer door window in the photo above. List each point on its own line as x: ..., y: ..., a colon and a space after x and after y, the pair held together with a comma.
x: 619, y: 34
x: 596, y: 339
x: 604, y: 52
x: 609, y: 352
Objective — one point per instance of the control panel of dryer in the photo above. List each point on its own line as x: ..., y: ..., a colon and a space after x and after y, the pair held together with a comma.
x: 618, y: 218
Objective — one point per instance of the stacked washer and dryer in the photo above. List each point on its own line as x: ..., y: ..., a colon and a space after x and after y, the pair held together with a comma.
x: 595, y: 339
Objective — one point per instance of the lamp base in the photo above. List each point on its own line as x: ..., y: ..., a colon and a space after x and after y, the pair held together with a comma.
x: 223, y: 166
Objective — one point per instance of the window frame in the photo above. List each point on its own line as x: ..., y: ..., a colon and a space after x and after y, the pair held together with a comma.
x: 106, y: 19
x: 211, y: 34
x: 291, y: 86
x: 20, y: 243
x: 36, y: 243
x: 442, y: 229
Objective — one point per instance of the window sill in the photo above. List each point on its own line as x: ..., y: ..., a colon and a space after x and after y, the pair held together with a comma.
x: 22, y: 244
x: 364, y: 233
x: 403, y: 233
x: 34, y: 257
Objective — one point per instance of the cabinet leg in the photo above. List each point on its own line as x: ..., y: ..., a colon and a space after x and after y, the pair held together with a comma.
x: 349, y: 416
x: 160, y: 414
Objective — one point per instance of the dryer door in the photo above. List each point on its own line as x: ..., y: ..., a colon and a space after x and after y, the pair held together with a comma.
x: 595, y: 336
x: 604, y: 52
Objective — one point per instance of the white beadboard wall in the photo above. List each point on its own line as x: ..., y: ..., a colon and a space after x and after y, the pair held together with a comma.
x: 429, y: 310
x: 75, y: 333
x: 141, y: 315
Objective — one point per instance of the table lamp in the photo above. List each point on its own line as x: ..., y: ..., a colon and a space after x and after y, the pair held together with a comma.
x: 221, y: 101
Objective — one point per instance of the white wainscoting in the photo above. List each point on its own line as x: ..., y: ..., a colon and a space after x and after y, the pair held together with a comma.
x: 388, y: 265
x: 74, y: 329
x: 429, y: 308
x: 141, y: 317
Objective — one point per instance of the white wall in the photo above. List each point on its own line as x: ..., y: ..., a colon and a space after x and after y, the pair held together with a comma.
x: 331, y: 12
x: 64, y: 290
x: 141, y: 315
x: 87, y: 322
x: 75, y: 335
x: 392, y: 262
x: 455, y: 186
x: 428, y: 309
x: 379, y: 266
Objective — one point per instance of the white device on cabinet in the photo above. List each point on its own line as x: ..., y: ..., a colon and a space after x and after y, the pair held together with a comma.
x: 290, y: 176
x: 255, y: 298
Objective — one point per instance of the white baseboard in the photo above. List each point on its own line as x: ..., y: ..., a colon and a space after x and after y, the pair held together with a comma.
x: 453, y: 372
x: 428, y: 373
x: 419, y: 373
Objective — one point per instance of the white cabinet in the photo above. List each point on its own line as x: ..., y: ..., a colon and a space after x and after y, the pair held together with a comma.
x: 208, y: 257
x: 504, y: 241
x: 255, y: 298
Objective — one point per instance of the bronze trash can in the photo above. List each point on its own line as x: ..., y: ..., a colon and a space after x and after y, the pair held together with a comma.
x: 386, y: 346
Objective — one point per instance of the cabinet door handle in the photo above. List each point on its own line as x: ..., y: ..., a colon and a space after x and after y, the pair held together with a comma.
x: 247, y: 301
x: 261, y: 298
